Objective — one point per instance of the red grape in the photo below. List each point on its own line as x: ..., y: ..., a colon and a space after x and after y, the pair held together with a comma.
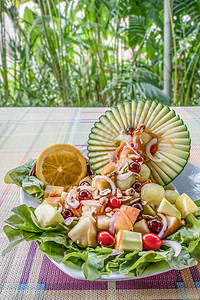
x: 140, y: 159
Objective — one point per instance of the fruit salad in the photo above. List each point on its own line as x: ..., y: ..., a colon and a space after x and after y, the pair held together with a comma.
x: 122, y: 208
x: 116, y: 211
x: 118, y: 216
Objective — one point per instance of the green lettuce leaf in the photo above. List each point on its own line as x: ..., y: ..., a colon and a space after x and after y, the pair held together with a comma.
x: 57, y: 237
x: 54, y: 250
x: 33, y: 186
x: 75, y: 256
x: 17, y: 236
x: 94, y: 266
x: 24, y: 219
x: 136, y: 264
x: 17, y: 175
x: 115, y: 262
x: 188, y: 233
x: 182, y: 261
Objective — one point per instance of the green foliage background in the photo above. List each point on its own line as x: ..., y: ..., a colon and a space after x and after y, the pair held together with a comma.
x: 74, y: 53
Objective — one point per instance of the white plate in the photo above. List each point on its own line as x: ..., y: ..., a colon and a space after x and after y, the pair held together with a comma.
x: 188, y: 181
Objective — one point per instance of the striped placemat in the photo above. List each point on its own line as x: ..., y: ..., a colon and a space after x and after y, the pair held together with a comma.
x: 26, y: 273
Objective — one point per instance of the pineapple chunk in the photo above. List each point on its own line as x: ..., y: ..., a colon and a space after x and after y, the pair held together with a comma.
x: 186, y: 206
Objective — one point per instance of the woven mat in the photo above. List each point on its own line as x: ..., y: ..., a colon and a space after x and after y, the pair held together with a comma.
x: 26, y: 273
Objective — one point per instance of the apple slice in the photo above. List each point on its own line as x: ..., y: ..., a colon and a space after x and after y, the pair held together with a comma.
x: 125, y: 222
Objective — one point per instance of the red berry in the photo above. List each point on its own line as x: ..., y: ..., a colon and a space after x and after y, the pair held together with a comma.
x: 114, y: 202
x: 138, y: 206
x: 134, y: 167
x: 66, y: 213
x: 84, y: 183
x: 153, y: 149
x: 155, y: 226
x: 130, y: 130
x: 137, y: 186
x: 151, y: 241
x: 105, y: 239
x: 140, y: 159
x: 84, y: 195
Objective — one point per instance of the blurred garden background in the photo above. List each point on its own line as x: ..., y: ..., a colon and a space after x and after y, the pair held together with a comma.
x: 97, y: 52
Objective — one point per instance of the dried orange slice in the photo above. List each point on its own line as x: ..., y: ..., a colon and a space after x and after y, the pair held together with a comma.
x: 62, y: 165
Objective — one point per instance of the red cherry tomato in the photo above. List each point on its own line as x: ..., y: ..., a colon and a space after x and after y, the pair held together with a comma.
x: 153, y: 149
x: 151, y: 241
x: 105, y: 239
x: 114, y: 202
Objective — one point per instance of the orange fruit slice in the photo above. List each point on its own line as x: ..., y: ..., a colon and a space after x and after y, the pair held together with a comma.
x: 62, y: 165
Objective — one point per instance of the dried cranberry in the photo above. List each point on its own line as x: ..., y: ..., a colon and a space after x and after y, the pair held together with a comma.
x: 153, y: 149
x: 140, y: 159
x: 130, y: 130
x: 138, y: 206
x: 134, y: 167
x: 84, y: 183
x: 155, y: 226
x: 137, y: 186
x: 66, y: 213
x: 84, y: 195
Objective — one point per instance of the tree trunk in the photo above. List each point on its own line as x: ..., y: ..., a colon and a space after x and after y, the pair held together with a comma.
x: 167, y: 75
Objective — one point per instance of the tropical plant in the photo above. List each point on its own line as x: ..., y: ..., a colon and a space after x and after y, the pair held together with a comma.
x: 96, y: 52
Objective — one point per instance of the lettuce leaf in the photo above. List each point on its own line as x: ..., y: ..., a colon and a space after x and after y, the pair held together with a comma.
x: 20, y: 177
x: 54, y: 250
x: 136, y: 263
x: 182, y: 261
x: 33, y: 186
x: 16, y: 175
x: 17, y: 236
x: 94, y: 266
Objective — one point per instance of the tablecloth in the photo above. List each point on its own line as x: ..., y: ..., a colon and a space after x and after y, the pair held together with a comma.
x: 26, y: 273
